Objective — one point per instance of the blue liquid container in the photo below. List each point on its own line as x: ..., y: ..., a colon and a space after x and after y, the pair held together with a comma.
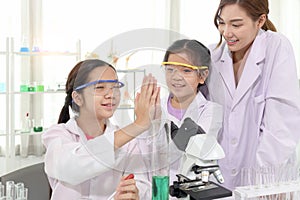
x: 25, y: 44
x: 2, y: 87
x: 24, y: 49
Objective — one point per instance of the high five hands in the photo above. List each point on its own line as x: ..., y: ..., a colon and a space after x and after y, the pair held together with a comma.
x: 147, y: 110
x: 147, y: 103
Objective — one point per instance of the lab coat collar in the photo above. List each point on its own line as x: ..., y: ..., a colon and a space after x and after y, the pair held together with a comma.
x: 192, y: 110
x: 73, y: 127
x: 251, y: 71
x: 252, y: 68
x: 226, y: 70
x: 198, y: 101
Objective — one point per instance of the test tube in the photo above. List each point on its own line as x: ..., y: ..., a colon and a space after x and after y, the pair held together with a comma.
x: 19, y: 187
x: 2, y: 195
x: 24, y: 194
x: 10, y: 190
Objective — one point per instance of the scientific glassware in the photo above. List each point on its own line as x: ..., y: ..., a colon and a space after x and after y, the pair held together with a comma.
x: 160, y: 163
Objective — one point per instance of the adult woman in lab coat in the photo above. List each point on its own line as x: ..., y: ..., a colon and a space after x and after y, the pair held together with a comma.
x: 186, y: 65
x: 254, y: 76
x: 85, y: 154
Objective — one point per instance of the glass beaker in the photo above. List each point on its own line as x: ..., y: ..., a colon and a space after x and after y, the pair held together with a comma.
x: 24, y: 44
x: 39, y: 86
x: 38, y: 125
x: 160, y: 164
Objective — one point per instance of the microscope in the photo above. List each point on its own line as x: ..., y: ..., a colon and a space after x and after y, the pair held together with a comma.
x: 201, y: 153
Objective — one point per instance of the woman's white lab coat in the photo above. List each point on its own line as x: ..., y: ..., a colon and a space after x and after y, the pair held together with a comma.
x: 262, y: 114
x: 77, y: 167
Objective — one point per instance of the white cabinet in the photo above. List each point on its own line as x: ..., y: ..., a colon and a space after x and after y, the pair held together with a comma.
x: 33, y: 95
x: 4, y: 96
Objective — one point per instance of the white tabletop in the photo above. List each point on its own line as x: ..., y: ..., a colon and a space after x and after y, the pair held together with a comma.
x: 11, y: 164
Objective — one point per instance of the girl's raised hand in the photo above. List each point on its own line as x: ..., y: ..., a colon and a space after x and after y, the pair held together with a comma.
x: 147, y: 103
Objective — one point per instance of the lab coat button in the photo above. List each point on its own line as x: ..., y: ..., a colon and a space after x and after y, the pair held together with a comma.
x: 234, y: 141
x: 233, y: 172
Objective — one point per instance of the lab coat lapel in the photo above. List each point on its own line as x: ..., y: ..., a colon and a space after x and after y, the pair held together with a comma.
x: 192, y: 111
x: 194, y: 108
x: 252, y: 68
x: 226, y: 72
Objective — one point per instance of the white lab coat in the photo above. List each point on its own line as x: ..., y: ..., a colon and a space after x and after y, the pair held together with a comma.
x: 77, y: 167
x: 262, y: 115
x: 207, y: 114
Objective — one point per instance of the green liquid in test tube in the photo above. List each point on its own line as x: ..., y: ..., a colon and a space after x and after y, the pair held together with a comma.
x: 160, y: 187
x: 160, y: 164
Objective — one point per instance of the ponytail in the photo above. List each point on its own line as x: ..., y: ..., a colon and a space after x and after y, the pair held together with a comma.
x: 64, y: 115
x: 269, y: 26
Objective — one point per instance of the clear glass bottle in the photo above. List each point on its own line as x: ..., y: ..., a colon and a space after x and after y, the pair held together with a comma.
x: 25, y: 130
x: 160, y: 163
x: 35, y: 45
x: 26, y: 124
x: 10, y: 190
x: 2, y: 193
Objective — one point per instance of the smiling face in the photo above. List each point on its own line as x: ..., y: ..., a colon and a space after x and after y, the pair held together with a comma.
x: 237, y: 28
x: 94, y: 102
x: 181, y: 84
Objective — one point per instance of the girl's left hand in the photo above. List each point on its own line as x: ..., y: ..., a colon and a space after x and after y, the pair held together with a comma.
x: 127, y: 189
x: 147, y: 103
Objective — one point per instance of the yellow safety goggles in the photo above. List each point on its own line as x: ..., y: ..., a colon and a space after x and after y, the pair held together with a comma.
x: 184, y: 65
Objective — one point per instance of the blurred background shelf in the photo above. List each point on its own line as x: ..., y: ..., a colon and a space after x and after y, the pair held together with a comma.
x: 44, y: 75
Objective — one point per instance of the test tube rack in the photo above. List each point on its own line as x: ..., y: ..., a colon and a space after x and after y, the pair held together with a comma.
x: 259, y: 191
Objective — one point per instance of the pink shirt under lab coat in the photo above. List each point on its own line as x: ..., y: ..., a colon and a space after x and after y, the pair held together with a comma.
x: 262, y: 114
x: 77, y: 167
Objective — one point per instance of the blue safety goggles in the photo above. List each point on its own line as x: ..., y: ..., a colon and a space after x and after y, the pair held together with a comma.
x: 116, y: 86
